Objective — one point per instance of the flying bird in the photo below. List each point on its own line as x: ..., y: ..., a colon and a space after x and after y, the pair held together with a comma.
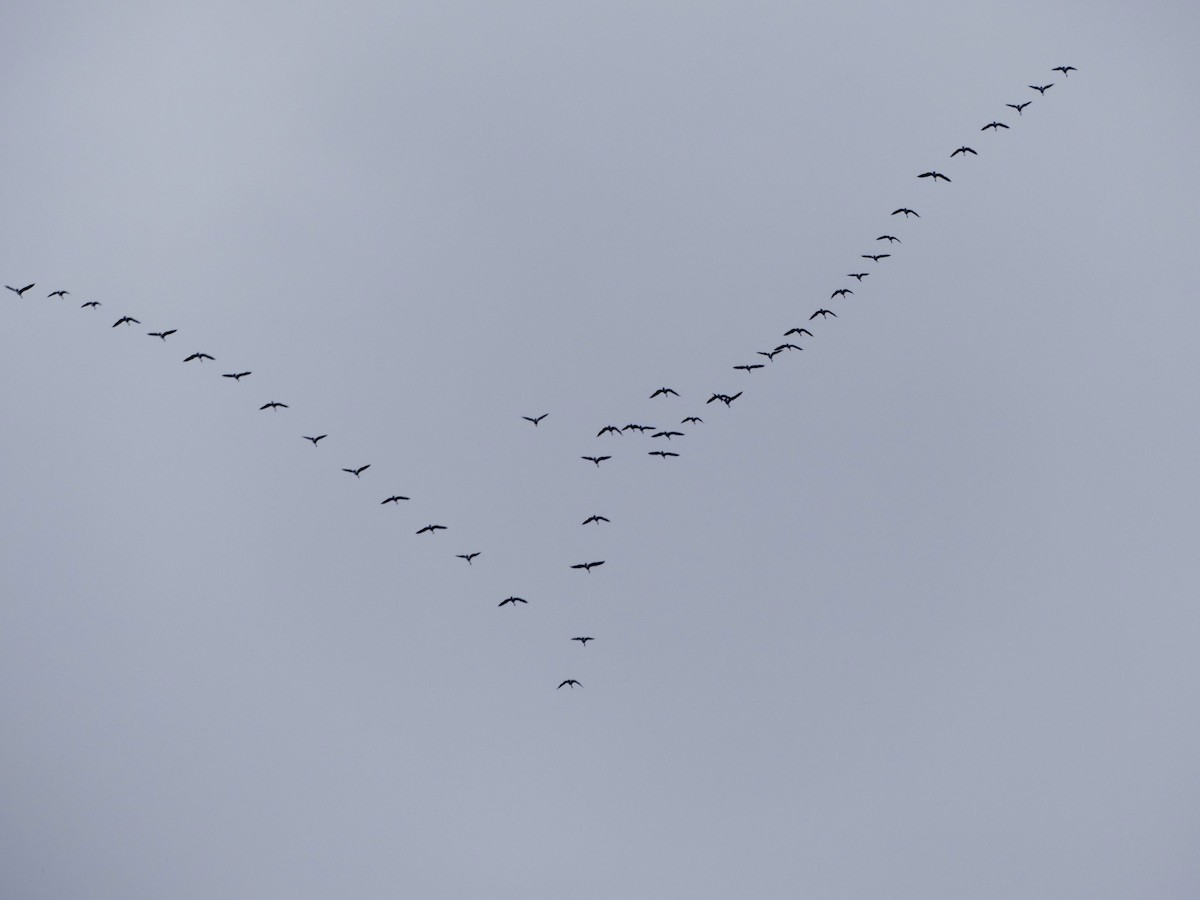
x: 274, y: 404
x: 355, y: 472
x: 822, y: 313
x: 314, y: 440
x: 859, y: 275
x: 588, y: 566
x: 20, y: 292
x: 890, y: 238
x: 639, y: 428
x: 797, y: 331
x: 594, y: 518
x: 667, y: 434
x: 162, y: 335
x: 787, y: 347
x: 596, y: 459
x: 535, y: 419
x: 431, y: 529
x: 126, y: 320
x: 841, y: 292
x: 200, y: 356
x: 1019, y: 106
x: 665, y: 453
x: 395, y: 498
x: 57, y: 294
x: 582, y: 640
x: 467, y: 556
x: 663, y: 391
x: 750, y: 368
x: 875, y: 256
x: 934, y: 175
x: 692, y: 420
x: 608, y: 429
x: 513, y: 600
x: 769, y: 354
x: 91, y: 303
x: 907, y: 212
x: 724, y: 398
x: 963, y: 149
x: 995, y: 125
x: 572, y: 682
x: 1065, y: 70
x: 236, y: 376
x: 1043, y: 88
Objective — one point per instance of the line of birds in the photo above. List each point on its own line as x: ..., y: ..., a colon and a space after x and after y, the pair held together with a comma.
x: 664, y: 392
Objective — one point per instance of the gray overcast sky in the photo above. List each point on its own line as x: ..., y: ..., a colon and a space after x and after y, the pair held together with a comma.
x: 915, y: 617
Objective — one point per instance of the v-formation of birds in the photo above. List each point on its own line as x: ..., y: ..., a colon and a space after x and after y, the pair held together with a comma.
x: 664, y: 394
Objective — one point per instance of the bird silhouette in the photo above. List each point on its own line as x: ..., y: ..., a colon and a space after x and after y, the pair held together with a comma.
x: 859, y: 275
x: 1065, y: 70
x: 1042, y: 88
x: 963, y: 149
x: 822, y: 313
x: 1019, y: 106
x: 431, y: 529
x: 907, y: 212
x: 198, y: 356
x: 572, y: 682
x: 934, y: 175
x: 467, y: 556
x: 841, y: 292
x: 664, y: 453
x: 692, y: 420
x: 750, y: 368
x: 787, y: 347
x: 314, y: 440
x: 609, y: 429
x: 993, y: 125
x: 668, y: 434
x: 582, y: 640
x: 724, y: 398
x: 91, y: 303
x: 20, y: 292
x: 639, y: 428
x: 769, y: 354
x: 126, y: 320
x: 535, y: 419
x: 588, y: 566
x: 875, y: 256
x: 596, y: 459
x: 594, y: 519
x: 355, y: 472
x: 395, y: 498
x: 797, y: 331
x: 57, y: 294
x: 890, y: 238
x: 663, y: 391
x: 161, y: 335
x: 274, y: 404
x: 236, y: 376
x: 514, y: 601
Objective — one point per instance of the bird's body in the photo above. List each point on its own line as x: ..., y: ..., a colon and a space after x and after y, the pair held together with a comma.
x: 431, y: 529
x: 357, y: 473
x: 163, y: 335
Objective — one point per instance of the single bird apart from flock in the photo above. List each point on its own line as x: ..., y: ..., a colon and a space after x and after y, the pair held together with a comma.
x: 535, y: 419
x: 513, y: 600
x: 890, y: 238
x: 583, y: 640
x: 571, y: 681
x: 274, y: 404
x: 907, y: 212
x: 749, y: 368
x: 692, y: 420
x: 594, y: 519
x: 395, y: 498
x: 588, y: 566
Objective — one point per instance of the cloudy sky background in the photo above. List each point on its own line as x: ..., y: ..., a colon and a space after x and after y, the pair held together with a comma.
x: 915, y: 617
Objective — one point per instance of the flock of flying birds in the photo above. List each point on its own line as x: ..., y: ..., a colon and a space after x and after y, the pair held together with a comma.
x: 668, y: 433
